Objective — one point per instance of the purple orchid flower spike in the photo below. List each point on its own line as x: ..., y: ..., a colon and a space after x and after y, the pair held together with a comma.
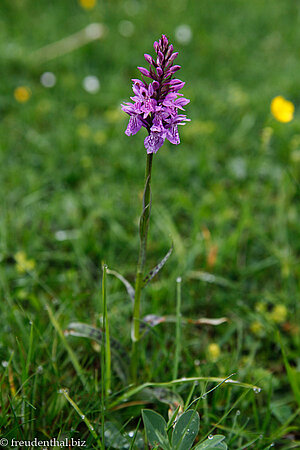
x: 155, y: 104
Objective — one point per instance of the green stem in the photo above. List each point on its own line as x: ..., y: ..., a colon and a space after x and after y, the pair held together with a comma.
x: 144, y: 225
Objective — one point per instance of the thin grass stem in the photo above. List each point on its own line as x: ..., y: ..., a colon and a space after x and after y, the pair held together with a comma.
x: 178, y: 330
x: 83, y: 417
x: 144, y: 226
x: 29, y: 354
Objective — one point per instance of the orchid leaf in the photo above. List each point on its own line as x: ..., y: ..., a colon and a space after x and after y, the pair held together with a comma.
x: 129, y: 287
x: 170, y: 398
x: 211, y: 278
x: 158, y: 267
x: 120, y: 359
x: 152, y: 320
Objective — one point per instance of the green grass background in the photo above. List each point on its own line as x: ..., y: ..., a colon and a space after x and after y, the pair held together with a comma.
x: 66, y: 165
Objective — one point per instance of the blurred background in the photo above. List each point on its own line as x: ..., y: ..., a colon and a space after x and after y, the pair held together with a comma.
x: 228, y: 196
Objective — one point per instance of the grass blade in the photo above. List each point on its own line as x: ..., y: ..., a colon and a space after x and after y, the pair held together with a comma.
x: 72, y: 355
x: 106, y: 337
x: 178, y: 330
x: 83, y: 417
x: 135, y: 390
x: 292, y: 374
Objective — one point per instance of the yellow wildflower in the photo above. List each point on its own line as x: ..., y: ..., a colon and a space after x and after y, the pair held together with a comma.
x: 84, y: 131
x: 256, y: 327
x: 213, y: 352
x: 295, y: 156
x: 200, y: 127
x: 114, y: 115
x: 260, y: 307
x: 81, y: 111
x: 87, y: 4
x: 22, y: 94
x: 22, y: 263
x: 282, y: 109
x: 278, y: 314
x: 100, y: 137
